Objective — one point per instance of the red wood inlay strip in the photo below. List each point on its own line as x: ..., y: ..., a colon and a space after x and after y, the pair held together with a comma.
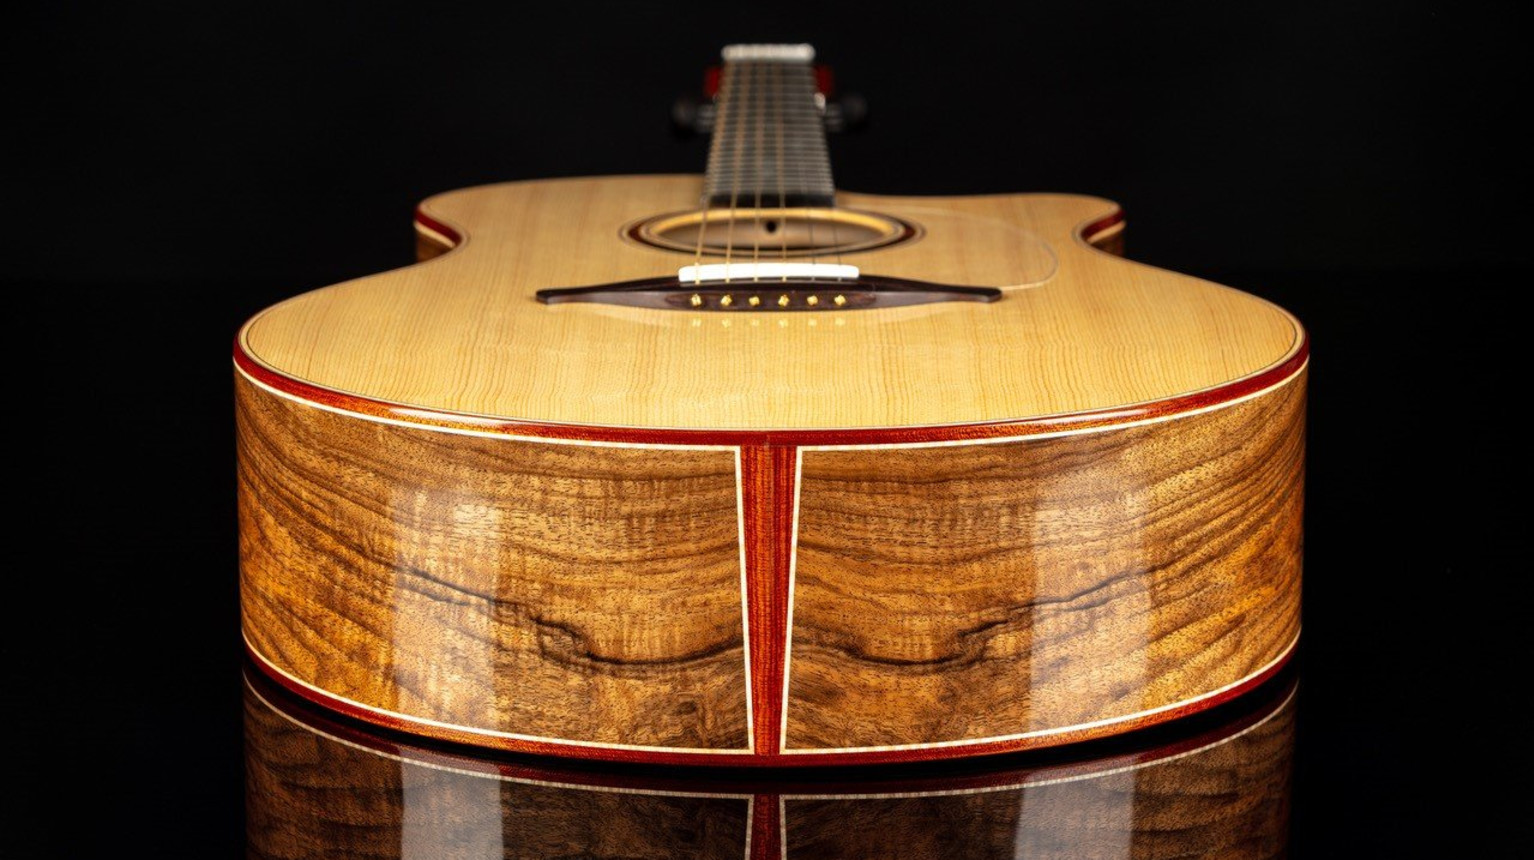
x: 766, y: 827
x: 768, y: 477
x: 870, y: 436
x: 775, y: 782
x: 1091, y: 231
x: 437, y: 227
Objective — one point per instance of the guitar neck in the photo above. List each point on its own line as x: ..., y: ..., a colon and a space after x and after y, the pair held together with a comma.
x: 769, y: 139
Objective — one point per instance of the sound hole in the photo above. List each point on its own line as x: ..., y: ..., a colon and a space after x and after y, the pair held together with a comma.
x: 795, y: 232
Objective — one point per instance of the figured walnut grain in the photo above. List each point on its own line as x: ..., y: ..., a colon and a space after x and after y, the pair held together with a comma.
x: 980, y: 591
x: 565, y: 591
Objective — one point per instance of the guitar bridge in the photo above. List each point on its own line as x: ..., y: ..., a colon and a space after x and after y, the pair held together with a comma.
x: 783, y: 292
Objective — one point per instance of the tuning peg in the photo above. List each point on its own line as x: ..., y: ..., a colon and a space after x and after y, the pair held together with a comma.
x: 690, y: 116
x: 849, y: 112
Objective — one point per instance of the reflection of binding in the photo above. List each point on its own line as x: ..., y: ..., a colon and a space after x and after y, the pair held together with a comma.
x: 339, y: 789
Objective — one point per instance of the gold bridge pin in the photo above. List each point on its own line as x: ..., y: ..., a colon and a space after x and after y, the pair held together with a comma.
x: 812, y: 301
x: 696, y: 300
x: 783, y: 301
x: 840, y: 300
x: 754, y: 301
x: 726, y: 300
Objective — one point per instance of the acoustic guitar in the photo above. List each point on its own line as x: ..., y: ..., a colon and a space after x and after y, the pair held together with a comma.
x: 746, y: 470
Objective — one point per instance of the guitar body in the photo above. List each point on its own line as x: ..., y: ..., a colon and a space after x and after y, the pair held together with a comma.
x: 750, y: 535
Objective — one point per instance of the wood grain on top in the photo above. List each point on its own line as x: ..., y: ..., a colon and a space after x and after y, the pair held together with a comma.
x: 1078, y: 329
x: 573, y: 592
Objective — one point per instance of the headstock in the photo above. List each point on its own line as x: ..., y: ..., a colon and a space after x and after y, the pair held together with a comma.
x: 693, y: 115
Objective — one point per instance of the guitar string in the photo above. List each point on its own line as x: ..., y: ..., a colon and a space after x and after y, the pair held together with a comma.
x: 729, y: 240
x: 721, y: 118
x: 836, y: 242
x: 777, y: 87
x: 811, y: 89
x: 802, y: 163
x: 802, y: 175
x: 756, y: 210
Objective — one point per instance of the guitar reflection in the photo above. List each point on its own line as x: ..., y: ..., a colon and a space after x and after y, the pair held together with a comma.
x: 319, y: 786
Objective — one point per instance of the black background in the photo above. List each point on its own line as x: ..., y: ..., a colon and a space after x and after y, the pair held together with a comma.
x: 172, y: 170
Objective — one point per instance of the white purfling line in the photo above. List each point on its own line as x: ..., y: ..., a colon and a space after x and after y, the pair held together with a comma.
x: 788, y: 620
x: 1110, y: 230
x: 1055, y: 434
x: 750, y: 813
x: 1078, y: 777
x: 745, y: 594
x: 1040, y: 733
x: 473, y: 730
x: 465, y: 431
x: 782, y: 827
x: 496, y: 775
x: 433, y: 414
x: 420, y: 210
x: 436, y: 235
x: 1027, y: 783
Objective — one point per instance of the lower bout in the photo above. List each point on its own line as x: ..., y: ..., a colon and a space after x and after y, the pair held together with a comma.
x: 771, y: 607
x: 628, y: 754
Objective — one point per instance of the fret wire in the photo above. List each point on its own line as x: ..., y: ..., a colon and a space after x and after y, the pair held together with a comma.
x: 782, y: 197
x: 729, y: 236
x: 804, y: 182
x: 720, y: 118
x: 756, y: 211
x: 745, y: 158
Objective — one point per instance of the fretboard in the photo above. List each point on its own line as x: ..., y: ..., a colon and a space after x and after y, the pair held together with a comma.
x: 769, y: 141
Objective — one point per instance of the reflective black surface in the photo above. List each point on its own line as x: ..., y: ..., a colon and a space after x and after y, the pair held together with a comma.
x: 175, y: 170
x: 1214, y: 786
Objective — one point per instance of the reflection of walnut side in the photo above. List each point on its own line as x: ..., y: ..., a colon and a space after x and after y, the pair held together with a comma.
x: 979, y: 591
x: 312, y: 796
x: 1228, y: 801
x: 564, y: 591
x: 307, y: 796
